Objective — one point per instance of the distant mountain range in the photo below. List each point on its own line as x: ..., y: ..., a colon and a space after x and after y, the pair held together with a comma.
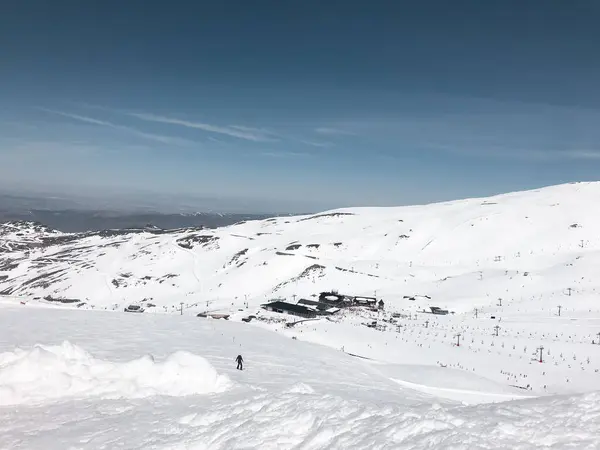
x: 74, y: 221
x: 71, y: 216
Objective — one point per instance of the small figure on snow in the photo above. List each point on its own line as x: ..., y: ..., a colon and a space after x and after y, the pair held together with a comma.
x: 239, y: 361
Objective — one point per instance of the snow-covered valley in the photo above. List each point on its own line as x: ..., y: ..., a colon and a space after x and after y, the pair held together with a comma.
x: 517, y: 273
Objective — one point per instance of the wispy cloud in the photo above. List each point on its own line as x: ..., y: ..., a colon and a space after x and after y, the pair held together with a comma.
x: 169, y: 140
x: 255, y: 130
x: 487, y: 150
x: 527, y: 133
x: 237, y: 131
x: 333, y: 131
x: 316, y: 144
x: 242, y: 132
x: 77, y: 117
x: 514, y: 151
x: 285, y: 154
x: 581, y: 154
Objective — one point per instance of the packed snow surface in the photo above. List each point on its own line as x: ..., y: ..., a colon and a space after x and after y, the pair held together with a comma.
x: 47, y: 373
x: 291, y: 394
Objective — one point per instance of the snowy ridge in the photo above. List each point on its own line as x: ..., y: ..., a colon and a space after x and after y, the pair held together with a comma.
x: 22, y: 235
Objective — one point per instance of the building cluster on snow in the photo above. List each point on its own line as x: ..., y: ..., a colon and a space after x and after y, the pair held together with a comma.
x: 328, y: 303
x: 438, y: 311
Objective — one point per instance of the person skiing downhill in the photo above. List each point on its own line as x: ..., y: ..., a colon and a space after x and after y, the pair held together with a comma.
x: 239, y: 361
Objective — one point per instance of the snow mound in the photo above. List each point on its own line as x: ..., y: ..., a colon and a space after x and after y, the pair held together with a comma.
x: 47, y: 373
x: 301, y: 388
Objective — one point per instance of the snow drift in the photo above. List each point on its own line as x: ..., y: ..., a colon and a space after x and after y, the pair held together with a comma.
x: 47, y: 373
x: 316, y: 422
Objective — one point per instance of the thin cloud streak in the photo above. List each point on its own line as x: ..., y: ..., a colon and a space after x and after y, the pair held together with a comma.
x: 333, y: 131
x: 513, y: 152
x: 316, y: 144
x: 155, y: 137
x: 78, y: 117
x: 237, y: 131
x: 582, y: 154
x: 243, y: 132
x: 518, y: 133
x: 255, y: 130
x: 285, y: 154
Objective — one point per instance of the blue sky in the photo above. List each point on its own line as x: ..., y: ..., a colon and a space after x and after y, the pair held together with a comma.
x: 294, y: 106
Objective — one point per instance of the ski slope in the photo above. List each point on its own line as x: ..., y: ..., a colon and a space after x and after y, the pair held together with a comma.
x: 291, y: 393
x: 516, y: 364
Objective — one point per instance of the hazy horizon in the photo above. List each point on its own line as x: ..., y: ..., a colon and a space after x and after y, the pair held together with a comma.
x: 140, y: 202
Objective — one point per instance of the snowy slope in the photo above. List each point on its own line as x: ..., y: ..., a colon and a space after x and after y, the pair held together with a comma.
x: 515, y: 258
x: 518, y: 272
x: 22, y: 235
x: 438, y: 250
x: 291, y: 394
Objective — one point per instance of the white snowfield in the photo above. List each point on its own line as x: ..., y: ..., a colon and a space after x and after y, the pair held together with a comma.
x: 291, y: 394
x: 58, y: 372
x: 518, y: 273
x: 463, y: 254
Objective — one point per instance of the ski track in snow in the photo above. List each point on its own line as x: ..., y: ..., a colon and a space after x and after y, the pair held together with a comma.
x: 192, y: 255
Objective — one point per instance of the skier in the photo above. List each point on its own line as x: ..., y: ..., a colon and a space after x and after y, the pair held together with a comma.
x: 239, y: 361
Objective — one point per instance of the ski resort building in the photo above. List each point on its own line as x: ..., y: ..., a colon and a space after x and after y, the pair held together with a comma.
x: 290, y: 308
x: 438, y: 311
x: 322, y: 308
x: 364, y: 301
x: 332, y: 298
x: 344, y: 301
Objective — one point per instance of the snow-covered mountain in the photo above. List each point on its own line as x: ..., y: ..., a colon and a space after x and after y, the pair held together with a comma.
x: 511, y: 245
x: 517, y: 272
